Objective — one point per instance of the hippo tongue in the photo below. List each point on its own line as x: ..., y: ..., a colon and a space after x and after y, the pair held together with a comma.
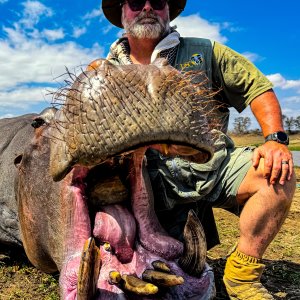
x: 151, y: 234
x: 116, y: 225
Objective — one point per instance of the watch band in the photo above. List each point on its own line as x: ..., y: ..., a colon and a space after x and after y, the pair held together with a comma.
x: 279, y: 137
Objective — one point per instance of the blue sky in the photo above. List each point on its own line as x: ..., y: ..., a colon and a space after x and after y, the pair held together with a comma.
x: 38, y: 39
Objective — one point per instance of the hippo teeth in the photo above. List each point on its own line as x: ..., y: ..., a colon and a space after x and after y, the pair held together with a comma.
x: 151, y: 280
x: 88, y: 270
x: 162, y: 278
x: 138, y: 286
x: 161, y: 266
x: 194, y: 256
x: 115, y: 277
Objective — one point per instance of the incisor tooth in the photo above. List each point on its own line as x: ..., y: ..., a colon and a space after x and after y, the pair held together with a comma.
x: 107, y: 247
x: 88, y: 270
x: 138, y: 286
x: 161, y: 266
x: 162, y: 279
x: 115, y: 277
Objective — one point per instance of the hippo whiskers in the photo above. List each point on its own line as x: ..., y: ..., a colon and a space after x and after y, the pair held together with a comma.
x: 85, y: 200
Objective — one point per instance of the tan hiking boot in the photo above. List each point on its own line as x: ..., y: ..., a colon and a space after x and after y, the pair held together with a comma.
x: 242, y: 277
x: 246, y: 291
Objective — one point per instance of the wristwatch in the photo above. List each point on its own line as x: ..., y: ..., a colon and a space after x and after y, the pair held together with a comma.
x: 279, y: 137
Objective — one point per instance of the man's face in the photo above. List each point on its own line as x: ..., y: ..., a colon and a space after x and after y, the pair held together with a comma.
x: 146, y: 23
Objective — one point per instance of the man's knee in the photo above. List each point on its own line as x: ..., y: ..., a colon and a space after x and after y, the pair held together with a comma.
x: 290, y: 186
x: 255, y: 182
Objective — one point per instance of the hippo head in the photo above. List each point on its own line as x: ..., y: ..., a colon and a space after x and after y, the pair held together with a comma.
x: 86, y: 204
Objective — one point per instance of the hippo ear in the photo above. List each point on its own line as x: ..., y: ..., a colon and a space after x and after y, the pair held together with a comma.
x: 44, y: 118
x: 18, y: 160
x: 94, y: 65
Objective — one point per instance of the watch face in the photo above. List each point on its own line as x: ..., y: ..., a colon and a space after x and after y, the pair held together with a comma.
x: 282, y: 136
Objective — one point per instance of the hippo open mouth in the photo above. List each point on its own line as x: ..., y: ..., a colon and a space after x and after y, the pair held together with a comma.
x: 126, y: 252
x: 100, y: 229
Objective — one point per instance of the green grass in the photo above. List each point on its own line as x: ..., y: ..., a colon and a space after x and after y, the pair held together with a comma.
x: 294, y: 148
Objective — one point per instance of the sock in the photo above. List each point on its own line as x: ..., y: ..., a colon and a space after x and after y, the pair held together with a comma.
x: 242, y: 268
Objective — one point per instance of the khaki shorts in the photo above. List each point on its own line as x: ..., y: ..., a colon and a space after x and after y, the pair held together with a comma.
x: 232, y: 174
x: 176, y: 181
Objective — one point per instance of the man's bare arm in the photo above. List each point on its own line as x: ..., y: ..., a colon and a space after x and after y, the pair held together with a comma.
x: 267, y: 111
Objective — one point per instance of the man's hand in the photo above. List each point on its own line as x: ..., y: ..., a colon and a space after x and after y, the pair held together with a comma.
x: 278, y: 161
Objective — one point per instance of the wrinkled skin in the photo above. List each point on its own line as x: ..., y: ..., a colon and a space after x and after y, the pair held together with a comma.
x: 100, y: 216
x: 16, y: 133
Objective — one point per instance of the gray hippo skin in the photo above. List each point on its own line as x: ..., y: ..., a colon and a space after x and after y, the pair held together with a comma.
x: 82, y: 193
x: 15, y: 135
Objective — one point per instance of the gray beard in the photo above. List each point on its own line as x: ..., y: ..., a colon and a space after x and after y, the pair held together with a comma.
x: 150, y: 31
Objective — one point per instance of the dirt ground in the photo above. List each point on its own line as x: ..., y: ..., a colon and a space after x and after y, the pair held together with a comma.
x: 20, y: 280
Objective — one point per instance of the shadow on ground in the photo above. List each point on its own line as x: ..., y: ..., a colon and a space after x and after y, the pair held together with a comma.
x: 281, y: 278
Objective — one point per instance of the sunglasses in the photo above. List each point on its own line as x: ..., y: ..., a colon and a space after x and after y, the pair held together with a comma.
x: 138, y: 5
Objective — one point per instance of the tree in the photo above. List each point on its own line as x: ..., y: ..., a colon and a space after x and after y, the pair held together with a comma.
x: 289, y: 123
x: 297, y: 123
x: 241, y: 125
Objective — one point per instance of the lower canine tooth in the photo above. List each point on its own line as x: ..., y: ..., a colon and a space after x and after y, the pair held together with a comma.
x: 88, y: 271
x: 162, y: 279
x: 138, y: 286
x: 194, y: 256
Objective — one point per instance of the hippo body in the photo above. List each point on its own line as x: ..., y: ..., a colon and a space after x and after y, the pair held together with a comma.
x: 16, y: 134
x: 83, y: 199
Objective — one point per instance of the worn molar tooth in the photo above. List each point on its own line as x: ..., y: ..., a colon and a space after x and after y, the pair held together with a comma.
x: 107, y: 191
x: 162, y: 279
x: 138, y: 286
x: 88, y: 270
x: 194, y: 256
x: 161, y: 266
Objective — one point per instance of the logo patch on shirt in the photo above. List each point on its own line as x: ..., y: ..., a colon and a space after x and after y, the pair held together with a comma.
x: 195, y: 60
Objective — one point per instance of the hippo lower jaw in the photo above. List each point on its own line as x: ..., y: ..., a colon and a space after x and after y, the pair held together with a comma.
x: 108, y: 261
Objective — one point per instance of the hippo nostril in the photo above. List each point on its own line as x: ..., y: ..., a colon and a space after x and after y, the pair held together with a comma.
x: 18, y: 160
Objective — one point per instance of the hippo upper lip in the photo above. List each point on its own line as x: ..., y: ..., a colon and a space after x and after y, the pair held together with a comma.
x: 99, y: 120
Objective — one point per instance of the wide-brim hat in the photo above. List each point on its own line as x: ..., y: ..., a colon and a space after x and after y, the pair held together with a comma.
x: 112, y: 10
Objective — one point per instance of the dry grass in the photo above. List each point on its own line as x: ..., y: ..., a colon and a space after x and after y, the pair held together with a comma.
x: 20, y: 280
x: 255, y: 140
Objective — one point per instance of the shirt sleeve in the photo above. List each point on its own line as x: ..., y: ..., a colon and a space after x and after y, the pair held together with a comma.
x: 238, y: 79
